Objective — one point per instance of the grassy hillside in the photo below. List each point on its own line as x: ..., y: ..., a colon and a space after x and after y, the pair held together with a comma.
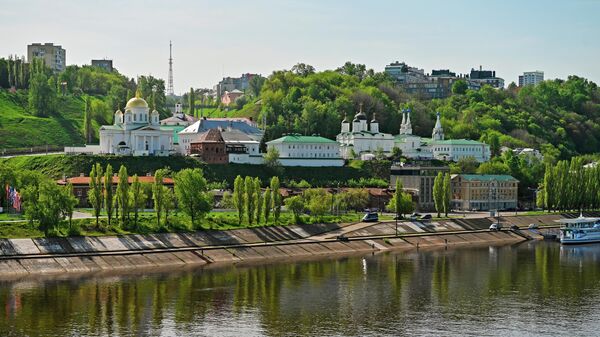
x: 18, y: 128
x: 57, y: 165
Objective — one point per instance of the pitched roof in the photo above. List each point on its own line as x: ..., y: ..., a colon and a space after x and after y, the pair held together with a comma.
x: 301, y: 139
x: 234, y: 135
x: 243, y: 124
x: 210, y: 136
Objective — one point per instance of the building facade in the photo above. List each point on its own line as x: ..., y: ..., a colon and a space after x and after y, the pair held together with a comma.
x: 245, y: 125
x: 418, y: 181
x: 315, y: 151
x: 437, y: 147
x: 104, y: 64
x: 486, y: 77
x: 54, y: 56
x: 210, y: 147
x: 483, y: 192
x: 136, y: 132
x: 531, y: 78
x: 229, y: 97
x: 361, y: 138
x: 233, y: 83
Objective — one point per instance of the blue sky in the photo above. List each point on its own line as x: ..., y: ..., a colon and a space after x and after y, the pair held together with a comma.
x: 212, y: 39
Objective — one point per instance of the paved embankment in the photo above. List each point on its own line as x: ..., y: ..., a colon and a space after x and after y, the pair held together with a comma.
x: 20, y: 257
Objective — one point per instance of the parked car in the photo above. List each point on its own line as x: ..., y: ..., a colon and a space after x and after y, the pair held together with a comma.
x: 342, y: 237
x: 514, y: 227
x: 533, y: 226
x: 370, y: 217
x: 495, y: 227
x: 426, y: 217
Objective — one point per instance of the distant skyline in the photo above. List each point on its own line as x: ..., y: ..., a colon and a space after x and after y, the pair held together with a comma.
x: 211, y: 40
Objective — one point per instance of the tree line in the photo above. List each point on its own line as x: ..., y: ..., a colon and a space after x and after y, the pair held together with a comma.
x: 570, y: 185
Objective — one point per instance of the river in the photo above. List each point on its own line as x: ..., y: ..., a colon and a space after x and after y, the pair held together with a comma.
x: 530, y: 289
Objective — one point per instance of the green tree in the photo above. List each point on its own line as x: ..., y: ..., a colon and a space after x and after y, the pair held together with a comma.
x: 87, y: 122
x: 49, y: 207
x: 398, y: 197
x: 296, y: 205
x: 250, y: 201
x: 238, y: 197
x: 67, y: 203
x: 158, y: 193
x: 267, y: 203
x: 276, y: 198
x: 258, y: 197
x: 192, y: 193
x: 108, y: 192
x: 137, y: 197
x: 255, y: 85
x: 168, y: 202
x: 123, y: 193
x: 447, y: 194
x: 95, y: 192
x: 271, y: 158
x: 460, y: 87
x: 41, y: 94
x: 192, y: 102
x: 438, y: 193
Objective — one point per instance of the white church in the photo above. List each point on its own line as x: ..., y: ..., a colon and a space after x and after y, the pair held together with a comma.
x: 136, y: 132
x: 364, y: 139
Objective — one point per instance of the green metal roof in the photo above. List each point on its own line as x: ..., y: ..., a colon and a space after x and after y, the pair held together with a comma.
x: 301, y: 139
x: 176, y: 129
x: 487, y: 177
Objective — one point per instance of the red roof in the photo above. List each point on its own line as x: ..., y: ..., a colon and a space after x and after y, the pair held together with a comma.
x: 86, y: 180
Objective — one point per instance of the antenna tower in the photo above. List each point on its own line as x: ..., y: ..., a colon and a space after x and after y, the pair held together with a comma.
x: 170, y: 91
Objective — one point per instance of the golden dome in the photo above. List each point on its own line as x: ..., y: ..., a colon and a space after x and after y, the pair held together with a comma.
x: 137, y: 101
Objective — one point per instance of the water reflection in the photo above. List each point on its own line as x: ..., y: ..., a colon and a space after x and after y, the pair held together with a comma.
x: 533, y: 288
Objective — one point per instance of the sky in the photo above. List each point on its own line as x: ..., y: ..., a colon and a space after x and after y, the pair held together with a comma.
x: 213, y: 39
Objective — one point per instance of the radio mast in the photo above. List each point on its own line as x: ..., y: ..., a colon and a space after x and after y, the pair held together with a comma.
x: 170, y: 91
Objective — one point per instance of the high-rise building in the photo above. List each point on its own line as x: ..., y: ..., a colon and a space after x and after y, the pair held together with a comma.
x: 55, y: 57
x: 531, y: 78
x: 486, y: 77
x: 104, y: 64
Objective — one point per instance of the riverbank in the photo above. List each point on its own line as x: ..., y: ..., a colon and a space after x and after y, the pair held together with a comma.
x: 21, y: 257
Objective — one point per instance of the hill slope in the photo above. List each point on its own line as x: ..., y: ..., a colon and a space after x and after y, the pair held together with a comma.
x: 18, y: 128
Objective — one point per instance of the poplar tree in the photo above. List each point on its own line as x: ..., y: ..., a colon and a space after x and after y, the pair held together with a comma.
x: 438, y: 190
x: 276, y: 198
x: 447, y: 194
x: 267, y: 204
x: 238, y: 197
x: 123, y: 193
x: 108, y: 192
x: 192, y: 102
x: 398, y: 197
x: 138, y: 197
x: 258, y: 199
x: 249, y: 198
x: 95, y: 191
x: 158, y: 194
x: 87, y: 121
x: 192, y: 193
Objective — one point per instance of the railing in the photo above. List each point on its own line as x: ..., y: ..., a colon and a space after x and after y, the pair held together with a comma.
x: 31, y: 150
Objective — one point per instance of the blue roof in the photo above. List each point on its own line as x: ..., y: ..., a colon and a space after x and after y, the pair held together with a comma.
x: 203, y: 125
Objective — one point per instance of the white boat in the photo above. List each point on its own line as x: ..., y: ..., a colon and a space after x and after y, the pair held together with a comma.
x: 579, y: 230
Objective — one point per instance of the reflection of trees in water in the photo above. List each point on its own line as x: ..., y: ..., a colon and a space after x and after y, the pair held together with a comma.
x: 296, y: 297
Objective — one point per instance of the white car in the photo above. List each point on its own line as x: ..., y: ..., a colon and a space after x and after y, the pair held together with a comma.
x: 495, y: 227
x: 533, y: 226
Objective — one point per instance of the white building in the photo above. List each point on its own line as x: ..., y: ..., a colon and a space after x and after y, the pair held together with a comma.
x: 190, y: 133
x: 437, y: 147
x: 179, y: 118
x: 241, y: 148
x: 531, y: 78
x: 363, y: 138
x: 136, y: 132
x: 315, y: 151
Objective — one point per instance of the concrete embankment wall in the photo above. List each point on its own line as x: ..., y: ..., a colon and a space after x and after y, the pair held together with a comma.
x: 21, y: 257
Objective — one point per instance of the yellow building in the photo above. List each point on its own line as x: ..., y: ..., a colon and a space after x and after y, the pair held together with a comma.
x: 483, y: 192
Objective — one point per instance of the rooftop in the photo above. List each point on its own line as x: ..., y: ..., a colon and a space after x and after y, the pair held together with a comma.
x: 486, y: 177
x: 301, y: 139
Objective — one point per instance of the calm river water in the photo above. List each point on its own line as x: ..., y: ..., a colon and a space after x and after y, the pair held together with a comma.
x: 535, y: 289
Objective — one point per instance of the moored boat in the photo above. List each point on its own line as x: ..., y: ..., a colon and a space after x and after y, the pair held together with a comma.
x: 579, y: 230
